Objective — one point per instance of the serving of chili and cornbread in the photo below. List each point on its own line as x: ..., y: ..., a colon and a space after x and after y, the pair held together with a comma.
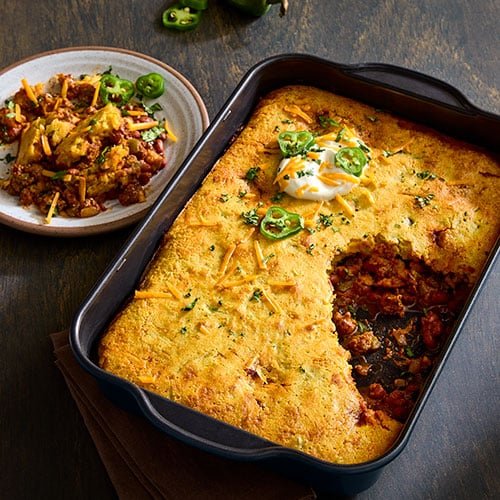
x: 261, y: 307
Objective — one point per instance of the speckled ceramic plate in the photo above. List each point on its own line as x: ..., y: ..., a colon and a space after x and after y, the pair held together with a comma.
x: 181, y: 105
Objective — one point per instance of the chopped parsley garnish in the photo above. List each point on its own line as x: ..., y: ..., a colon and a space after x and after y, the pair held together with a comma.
x: 387, y: 154
x: 102, y: 155
x: 340, y: 135
x: 151, y: 110
x: 310, y: 248
x: 267, y: 257
x: 152, y: 134
x: 304, y: 173
x: 59, y: 175
x: 212, y: 248
x: 223, y: 197
x: 423, y: 201
x: 363, y: 327
x: 252, y: 173
x: 287, y: 121
x: 190, y: 306
x: 409, y: 352
x: 251, y: 217
x: 426, y: 175
x: 277, y: 197
x: 325, y: 121
x: 257, y: 294
x: 242, y: 194
x: 184, y: 330
x: 326, y: 220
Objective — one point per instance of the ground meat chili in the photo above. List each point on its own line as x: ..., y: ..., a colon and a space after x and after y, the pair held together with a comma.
x: 393, y: 314
x: 113, y: 158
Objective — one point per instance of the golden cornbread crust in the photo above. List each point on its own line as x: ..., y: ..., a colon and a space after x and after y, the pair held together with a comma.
x: 247, y: 337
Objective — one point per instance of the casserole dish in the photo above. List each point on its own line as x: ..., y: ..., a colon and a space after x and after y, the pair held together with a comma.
x: 380, y: 86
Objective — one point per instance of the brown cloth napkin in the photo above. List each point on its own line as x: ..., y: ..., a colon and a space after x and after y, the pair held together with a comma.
x: 144, y: 463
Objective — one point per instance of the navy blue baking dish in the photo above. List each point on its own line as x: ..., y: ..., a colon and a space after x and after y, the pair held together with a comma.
x: 409, y: 94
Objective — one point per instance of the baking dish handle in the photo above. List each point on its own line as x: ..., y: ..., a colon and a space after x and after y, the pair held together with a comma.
x: 412, y: 82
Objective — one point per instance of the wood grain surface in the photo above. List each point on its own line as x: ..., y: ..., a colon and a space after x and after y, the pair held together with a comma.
x: 45, y: 450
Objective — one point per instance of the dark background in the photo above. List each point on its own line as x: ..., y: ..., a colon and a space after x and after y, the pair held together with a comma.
x: 45, y: 450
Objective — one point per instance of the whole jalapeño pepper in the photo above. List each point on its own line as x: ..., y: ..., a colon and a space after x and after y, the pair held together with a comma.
x: 279, y: 223
x: 257, y: 8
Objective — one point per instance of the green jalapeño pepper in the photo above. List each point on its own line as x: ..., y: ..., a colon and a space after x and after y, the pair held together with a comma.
x: 115, y: 90
x: 257, y: 8
x: 179, y: 17
x: 278, y: 224
x: 351, y: 160
x: 151, y: 85
x: 195, y: 4
x: 295, y: 143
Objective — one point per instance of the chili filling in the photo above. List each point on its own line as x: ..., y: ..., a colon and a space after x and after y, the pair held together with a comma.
x: 393, y: 315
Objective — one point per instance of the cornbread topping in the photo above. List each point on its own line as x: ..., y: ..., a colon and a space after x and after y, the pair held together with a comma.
x: 313, y: 322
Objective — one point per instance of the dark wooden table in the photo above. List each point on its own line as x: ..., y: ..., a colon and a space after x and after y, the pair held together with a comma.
x: 45, y: 450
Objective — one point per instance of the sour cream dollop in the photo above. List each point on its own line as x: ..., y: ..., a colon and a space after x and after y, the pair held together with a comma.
x: 322, y: 173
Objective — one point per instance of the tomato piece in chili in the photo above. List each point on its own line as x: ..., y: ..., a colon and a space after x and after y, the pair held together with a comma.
x: 181, y: 18
x: 279, y: 223
x: 294, y: 143
x: 151, y: 85
x: 115, y: 90
x: 351, y: 160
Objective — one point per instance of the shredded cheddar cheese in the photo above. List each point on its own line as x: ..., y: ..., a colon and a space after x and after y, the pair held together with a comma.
x: 17, y: 110
x: 228, y: 274
x: 29, y: 91
x: 45, y: 145
x: 239, y: 282
x: 174, y: 290
x: 64, y: 88
x: 144, y: 294
x: 203, y: 329
x: 82, y: 188
x: 52, y: 208
x: 260, y: 257
x: 136, y: 112
x: 302, y: 189
x: 142, y: 125
x: 274, y: 306
x: 96, y: 95
x: 48, y: 173
x: 295, y: 110
x: 283, y: 283
x: 170, y: 134
x: 227, y: 257
x: 347, y: 208
x: 292, y: 166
